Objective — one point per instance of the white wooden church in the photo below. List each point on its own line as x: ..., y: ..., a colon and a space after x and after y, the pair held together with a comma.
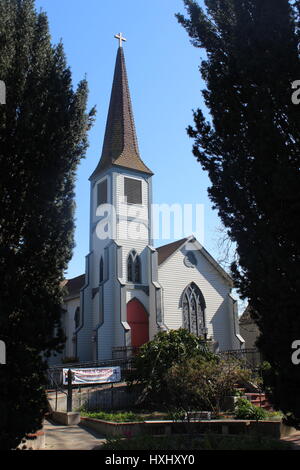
x: 130, y: 289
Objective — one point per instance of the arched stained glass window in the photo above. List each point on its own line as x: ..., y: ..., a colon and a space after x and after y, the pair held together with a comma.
x: 193, y: 308
x: 133, y: 267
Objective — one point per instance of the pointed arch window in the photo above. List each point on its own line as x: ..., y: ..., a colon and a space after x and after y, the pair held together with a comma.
x: 193, y: 310
x: 101, y: 270
x: 133, y: 267
x: 137, y: 269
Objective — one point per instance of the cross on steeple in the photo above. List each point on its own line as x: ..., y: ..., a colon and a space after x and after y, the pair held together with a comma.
x: 120, y: 146
x: 121, y: 38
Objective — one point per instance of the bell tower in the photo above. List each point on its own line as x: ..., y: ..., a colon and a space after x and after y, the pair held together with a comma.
x: 119, y: 268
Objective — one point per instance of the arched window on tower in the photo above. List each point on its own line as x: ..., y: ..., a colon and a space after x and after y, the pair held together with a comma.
x: 101, y: 270
x: 133, y: 267
x: 137, y: 269
x: 130, y: 265
x: 193, y: 310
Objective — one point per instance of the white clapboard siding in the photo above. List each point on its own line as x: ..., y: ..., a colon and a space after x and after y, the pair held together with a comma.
x: 84, y: 335
x: 70, y: 306
x: 174, y: 276
x: 106, y: 330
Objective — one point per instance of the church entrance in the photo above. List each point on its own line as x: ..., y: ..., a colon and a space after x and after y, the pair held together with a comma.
x: 138, y: 321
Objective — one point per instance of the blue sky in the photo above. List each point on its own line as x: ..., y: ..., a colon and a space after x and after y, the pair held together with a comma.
x: 165, y: 86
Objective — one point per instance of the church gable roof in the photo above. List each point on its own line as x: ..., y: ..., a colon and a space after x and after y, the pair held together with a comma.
x: 73, y: 286
x: 246, y: 317
x: 120, y: 146
x: 165, y: 251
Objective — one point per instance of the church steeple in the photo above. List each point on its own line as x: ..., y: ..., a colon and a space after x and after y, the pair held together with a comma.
x: 120, y: 146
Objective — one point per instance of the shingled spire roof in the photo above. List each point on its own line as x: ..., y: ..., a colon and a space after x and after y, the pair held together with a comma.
x: 120, y: 146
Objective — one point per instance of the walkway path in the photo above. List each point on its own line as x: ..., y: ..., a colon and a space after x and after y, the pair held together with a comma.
x: 60, y: 437
x: 294, y: 439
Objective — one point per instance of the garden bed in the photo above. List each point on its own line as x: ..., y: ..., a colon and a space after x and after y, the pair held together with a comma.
x: 126, y: 416
x: 167, y: 427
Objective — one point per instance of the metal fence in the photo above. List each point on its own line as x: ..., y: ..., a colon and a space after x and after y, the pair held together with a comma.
x: 252, y: 358
x: 115, y: 396
x: 55, y: 373
x: 123, y: 357
x: 124, y: 353
x: 105, y: 398
x: 92, y: 397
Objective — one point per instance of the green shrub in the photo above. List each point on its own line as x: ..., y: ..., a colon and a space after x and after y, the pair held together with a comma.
x: 155, y: 358
x: 117, y: 417
x: 237, y: 393
x: 176, y: 415
x: 244, y: 409
x: 276, y: 415
x: 201, y: 384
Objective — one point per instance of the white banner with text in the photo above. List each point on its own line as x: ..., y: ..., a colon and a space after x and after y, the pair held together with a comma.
x: 98, y: 375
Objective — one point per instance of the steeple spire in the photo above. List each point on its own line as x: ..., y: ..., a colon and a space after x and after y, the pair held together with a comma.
x: 120, y: 146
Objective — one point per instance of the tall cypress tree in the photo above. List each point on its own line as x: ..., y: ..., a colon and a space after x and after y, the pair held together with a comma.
x: 251, y: 150
x: 43, y: 136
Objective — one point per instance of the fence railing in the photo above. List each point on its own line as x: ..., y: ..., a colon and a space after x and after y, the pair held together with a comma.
x: 251, y: 357
x: 55, y: 373
x: 123, y: 357
x: 124, y: 352
x: 110, y: 396
x: 104, y: 396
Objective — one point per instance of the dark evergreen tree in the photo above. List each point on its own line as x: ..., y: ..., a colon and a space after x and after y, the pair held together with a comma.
x: 251, y: 150
x: 43, y: 136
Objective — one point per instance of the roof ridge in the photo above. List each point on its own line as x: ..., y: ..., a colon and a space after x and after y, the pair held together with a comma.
x: 74, y: 285
x: 172, y: 243
x: 165, y: 251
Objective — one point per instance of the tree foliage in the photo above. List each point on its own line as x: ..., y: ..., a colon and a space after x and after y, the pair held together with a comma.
x: 43, y: 136
x: 156, y: 357
x: 199, y: 383
x: 250, y: 148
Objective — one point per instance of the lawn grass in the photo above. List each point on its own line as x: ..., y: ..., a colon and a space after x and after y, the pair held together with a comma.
x: 124, y: 416
x: 116, y: 417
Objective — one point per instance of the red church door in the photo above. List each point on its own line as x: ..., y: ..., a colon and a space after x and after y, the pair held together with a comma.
x: 138, y: 320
